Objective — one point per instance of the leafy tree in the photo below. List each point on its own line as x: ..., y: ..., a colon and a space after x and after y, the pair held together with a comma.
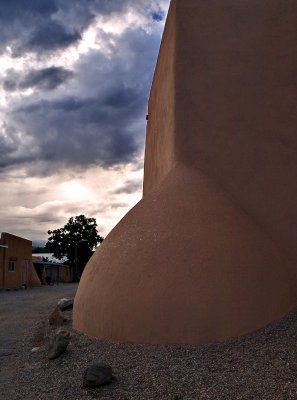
x: 75, y: 241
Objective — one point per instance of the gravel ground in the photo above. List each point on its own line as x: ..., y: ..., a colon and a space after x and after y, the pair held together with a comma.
x: 258, y: 366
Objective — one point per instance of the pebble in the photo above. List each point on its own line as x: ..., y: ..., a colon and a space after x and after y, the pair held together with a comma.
x: 5, y: 352
x: 35, y: 349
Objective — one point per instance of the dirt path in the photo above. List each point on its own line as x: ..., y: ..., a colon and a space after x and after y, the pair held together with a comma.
x: 19, y: 311
x: 259, y: 366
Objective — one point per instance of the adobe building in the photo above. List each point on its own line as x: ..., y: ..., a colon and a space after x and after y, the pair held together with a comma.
x: 210, y: 251
x: 16, y: 268
x: 50, y: 272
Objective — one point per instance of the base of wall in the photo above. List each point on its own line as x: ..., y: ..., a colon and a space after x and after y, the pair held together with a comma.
x: 185, y: 265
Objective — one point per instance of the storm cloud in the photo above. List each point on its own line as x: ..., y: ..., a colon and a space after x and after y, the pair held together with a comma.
x: 98, y: 117
x: 74, y: 85
x: 51, y: 36
x: 47, y: 25
x: 45, y: 79
x: 128, y: 187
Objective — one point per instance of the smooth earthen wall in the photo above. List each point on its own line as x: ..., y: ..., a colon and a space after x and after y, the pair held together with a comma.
x: 160, y: 139
x: 236, y: 119
x: 20, y: 251
x: 210, y: 251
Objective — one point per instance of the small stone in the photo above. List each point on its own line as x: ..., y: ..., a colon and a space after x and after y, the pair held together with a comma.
x: 63, y: 332
x: 35, y: 349
x: 97, y: 375
x: 57, y: 317
x: 65, y: 304
x: 57, y: 346
x: 5, y: 352
x: 61, y: 301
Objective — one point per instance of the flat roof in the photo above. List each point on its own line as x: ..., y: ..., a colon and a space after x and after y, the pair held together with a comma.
x: 49, y: 264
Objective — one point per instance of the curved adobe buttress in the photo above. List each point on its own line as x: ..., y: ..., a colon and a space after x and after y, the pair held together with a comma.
x: 210, y: 250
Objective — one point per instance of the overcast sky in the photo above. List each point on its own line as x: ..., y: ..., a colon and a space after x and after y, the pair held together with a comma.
x: 74, y: 85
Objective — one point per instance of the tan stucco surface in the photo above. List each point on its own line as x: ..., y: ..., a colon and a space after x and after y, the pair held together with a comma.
x: 210, y: 251
x: 160, y: 139
x: 33, y: 280
x: 20, y: 251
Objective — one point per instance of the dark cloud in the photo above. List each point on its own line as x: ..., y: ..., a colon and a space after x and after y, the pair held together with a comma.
x: 73, y: 131
x: 6, y: 147
x: 130, y: 186
x: 44, y: 26
x: 115, y: 206
x: 12, y: 10
x: 103, y: 123
x: 97, y: 116
x: 10, y: 85
x: 51, y: 36
x: 47, y: 78
x: 44, y: 79
x: 50, y: 217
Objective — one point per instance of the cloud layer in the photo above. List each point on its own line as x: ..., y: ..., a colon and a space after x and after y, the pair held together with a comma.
x: 74, y: 86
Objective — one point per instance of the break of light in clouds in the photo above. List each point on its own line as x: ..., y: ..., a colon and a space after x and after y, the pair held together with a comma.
x: 74, y: 86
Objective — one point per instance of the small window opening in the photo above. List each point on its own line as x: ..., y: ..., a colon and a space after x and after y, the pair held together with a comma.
x: 11, y: 266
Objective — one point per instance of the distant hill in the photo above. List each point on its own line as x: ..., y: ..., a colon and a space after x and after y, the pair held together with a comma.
x: 38, y: 246
x: 38, y: 243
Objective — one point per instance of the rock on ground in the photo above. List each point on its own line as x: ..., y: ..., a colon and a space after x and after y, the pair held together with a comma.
x: 65, y: 304
x: 57, y: 317
x: 57, y: 346
x: 97, y: 375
